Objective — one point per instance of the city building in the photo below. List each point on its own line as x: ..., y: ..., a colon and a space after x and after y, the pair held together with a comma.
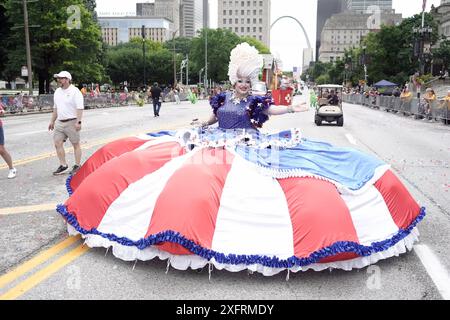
x: 117, y: 30
x: 246, y: 18
x: 146, y: 9
x: 345, y: 30
x: 308, y: 57
x: 325, y: 9
x: 191, y: 17
x: 361, y: 6
x: 169, y: 9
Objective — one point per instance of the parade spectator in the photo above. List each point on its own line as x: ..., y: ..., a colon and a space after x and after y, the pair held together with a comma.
x: 406, y: 98
x: 429, y: 97
x: 443, y: 74
x: 18, y: 102
x: 83, y: 90
x: 155, y: 93
x: 396, y: 92
x: 3, y: 152
x: 176, y: 95
x: 406, y: 95
x: 447, y: 97
x: 66, y: 121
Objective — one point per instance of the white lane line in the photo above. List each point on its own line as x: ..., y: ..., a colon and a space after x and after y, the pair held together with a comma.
x: 27, y: 133
x: 435, y: 269
x: 351, y: 139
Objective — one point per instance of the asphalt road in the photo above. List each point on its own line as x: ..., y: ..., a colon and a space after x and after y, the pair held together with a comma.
x: 419, y: 152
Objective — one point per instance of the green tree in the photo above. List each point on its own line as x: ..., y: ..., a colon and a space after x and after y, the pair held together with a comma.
x: 67, y: 38
x: 391, y: 49
x: 220, y: 44
x: 182, y: 45
x: 125, y: 62
x: 256, y: 43
x: 441, y: 55
x: 4, y: 31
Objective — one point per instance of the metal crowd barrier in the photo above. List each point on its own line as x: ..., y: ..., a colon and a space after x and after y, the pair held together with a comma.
x: 15, y: 104
x: 438, y: 110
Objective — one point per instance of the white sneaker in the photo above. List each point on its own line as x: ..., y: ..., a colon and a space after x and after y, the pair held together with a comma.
x: 12, y: 173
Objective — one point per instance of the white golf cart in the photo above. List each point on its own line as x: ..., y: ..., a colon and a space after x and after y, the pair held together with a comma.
x: 329, y: 105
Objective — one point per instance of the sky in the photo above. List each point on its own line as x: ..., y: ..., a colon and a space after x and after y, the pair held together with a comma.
x: 287, y: 39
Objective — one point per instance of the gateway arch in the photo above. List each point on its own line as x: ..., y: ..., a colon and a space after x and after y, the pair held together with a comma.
x: 301, y: 26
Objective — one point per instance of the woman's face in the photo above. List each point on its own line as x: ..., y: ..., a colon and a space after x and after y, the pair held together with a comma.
x: 243, y: 86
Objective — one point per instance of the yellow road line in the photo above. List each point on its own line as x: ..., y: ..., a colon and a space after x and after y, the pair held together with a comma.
x: 86, y: 146
x: 36, y: 261
x: 27, y: 209
x: 43, y: 274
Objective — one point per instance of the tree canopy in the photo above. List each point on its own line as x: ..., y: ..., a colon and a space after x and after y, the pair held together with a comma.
x: 65, y: 36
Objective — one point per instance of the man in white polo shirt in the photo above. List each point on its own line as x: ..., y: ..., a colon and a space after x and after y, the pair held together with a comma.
x: 66, y: 121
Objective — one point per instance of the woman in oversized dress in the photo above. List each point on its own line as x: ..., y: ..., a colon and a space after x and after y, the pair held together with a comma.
x: 237, y: 199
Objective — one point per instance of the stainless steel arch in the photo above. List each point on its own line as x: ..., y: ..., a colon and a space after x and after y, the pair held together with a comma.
x: 299, y: 23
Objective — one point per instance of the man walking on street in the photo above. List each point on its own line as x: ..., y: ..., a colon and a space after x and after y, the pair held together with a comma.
x: 66, y: 121
x: 155, y: 92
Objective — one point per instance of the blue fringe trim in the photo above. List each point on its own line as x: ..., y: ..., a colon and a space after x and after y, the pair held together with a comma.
x: 231, y: 259
x: 68, y: 187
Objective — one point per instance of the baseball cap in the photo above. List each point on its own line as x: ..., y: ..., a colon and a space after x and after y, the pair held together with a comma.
x: 63, y: 74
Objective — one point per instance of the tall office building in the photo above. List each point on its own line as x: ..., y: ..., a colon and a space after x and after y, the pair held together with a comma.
x: 191, y: 17
x: 325, y: 9
x: 169, y: 9
x: 117, y: 30
x: 346, y: 30
x: 246, y: 18
x: 442, y: 16
x: 145, y: 9
x: 360, y: 6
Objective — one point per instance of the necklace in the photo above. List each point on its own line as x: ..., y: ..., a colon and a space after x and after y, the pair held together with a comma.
x: 237, y: 100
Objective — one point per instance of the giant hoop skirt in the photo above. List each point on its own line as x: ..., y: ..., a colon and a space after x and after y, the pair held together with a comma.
x: 265, y: 203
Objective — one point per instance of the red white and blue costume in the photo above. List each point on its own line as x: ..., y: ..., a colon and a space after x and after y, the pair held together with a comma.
x: 238, y: 199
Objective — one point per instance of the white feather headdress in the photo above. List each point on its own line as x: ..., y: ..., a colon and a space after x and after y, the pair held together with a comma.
x: 245, y: 61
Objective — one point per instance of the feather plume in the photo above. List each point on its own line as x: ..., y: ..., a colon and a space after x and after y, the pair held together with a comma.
x: 245, y: 62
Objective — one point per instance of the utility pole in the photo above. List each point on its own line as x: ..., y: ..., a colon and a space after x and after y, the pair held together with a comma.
x: 206, y: 62
x: 174, y: 60
x: 27, y: 44
x: 27, y: 27
x: 187, y: 70
x: 143, y: 55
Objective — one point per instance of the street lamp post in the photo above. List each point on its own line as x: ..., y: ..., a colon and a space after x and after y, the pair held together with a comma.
x: 200, y: 75
x: 205, y: 78
x: 27, y: 40
x: 187, y: 70
x: 143, y: 55
x: 364, y: 63
x: 174, y: 60
x: 422, y: 45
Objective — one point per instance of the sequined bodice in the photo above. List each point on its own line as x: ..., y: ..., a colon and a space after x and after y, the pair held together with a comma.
x: 233, y: 115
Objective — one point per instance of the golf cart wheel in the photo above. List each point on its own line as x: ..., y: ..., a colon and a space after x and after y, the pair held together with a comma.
x: 318, y: 121
x: 340, y: 122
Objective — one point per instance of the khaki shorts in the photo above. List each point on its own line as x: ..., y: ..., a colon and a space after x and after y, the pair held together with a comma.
x: 64, y: 130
